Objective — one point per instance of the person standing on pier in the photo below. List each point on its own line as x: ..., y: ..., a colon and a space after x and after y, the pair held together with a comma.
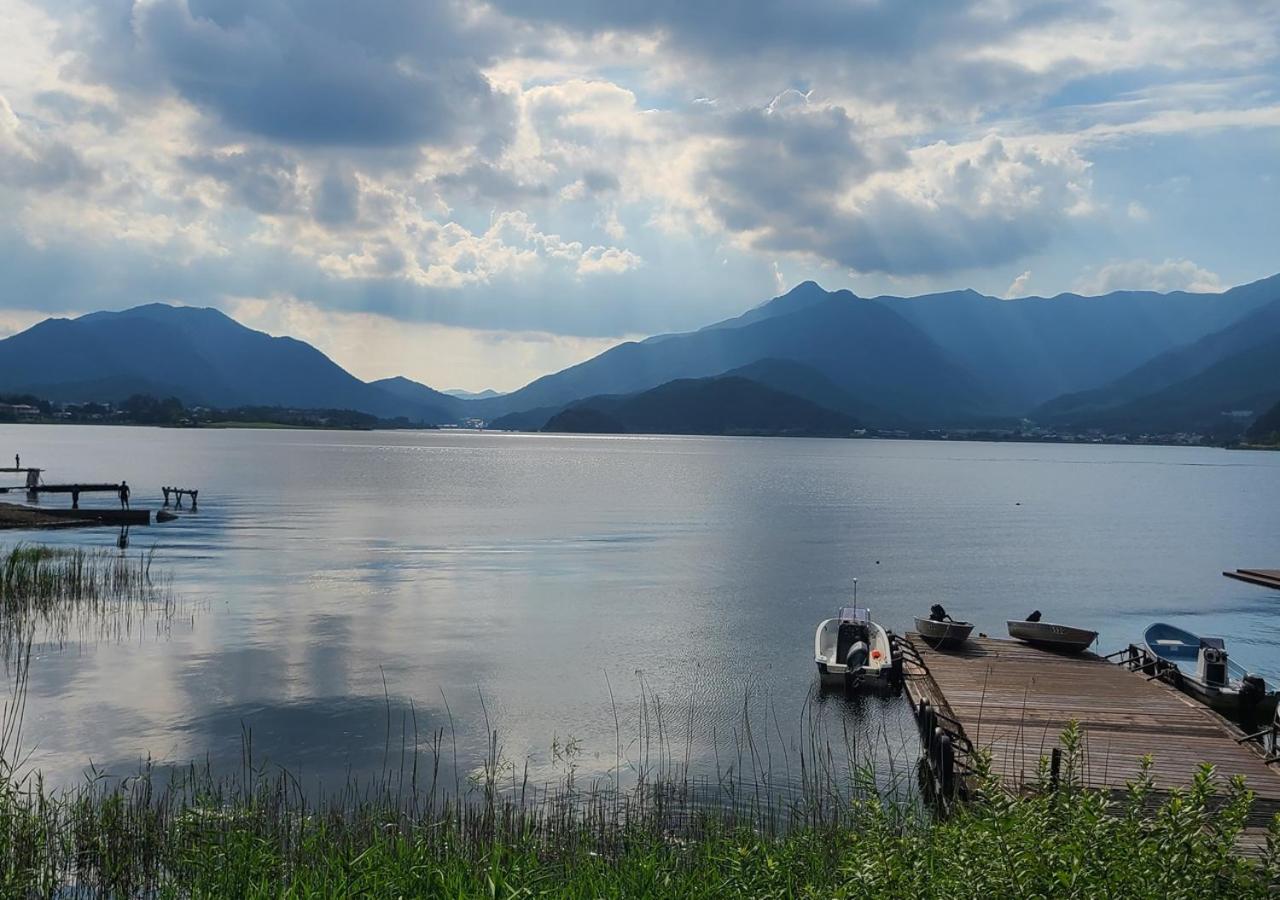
x: 124, y: 495
x: 17, y: 461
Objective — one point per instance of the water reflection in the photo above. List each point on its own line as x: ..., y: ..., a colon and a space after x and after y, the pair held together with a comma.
x: 550, y: 587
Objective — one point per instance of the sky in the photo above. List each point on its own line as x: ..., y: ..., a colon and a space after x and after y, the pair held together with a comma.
x: 473, y: 195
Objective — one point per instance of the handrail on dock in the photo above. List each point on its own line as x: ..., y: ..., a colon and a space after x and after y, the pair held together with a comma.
x: 948, y: 750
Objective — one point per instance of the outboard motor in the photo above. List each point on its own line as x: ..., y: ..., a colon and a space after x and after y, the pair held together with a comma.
x: 1212, y: 664
x: 856, y: 658
x: 1253, y: 690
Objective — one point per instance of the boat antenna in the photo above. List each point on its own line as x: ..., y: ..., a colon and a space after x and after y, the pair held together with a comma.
x: 855, y: 592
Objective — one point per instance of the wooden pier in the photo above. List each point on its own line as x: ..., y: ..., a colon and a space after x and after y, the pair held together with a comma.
x: 99, y: 516
x: 1013, y: 701
x: 75, y: 490
x: 1261, y: 577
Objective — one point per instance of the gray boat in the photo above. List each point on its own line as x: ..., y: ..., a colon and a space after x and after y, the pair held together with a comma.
x: 1062, y: 638
x: 942, y: 631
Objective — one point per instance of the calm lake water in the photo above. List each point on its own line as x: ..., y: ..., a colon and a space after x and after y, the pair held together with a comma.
x: 337, y: 586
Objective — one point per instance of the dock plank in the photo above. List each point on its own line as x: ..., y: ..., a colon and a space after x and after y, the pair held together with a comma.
x: 1261, y: 577
x: 1014, y: 700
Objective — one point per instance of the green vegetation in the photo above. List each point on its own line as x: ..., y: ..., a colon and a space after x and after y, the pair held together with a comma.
x: 55, y: 588
x: 418, y: 832
x: 726, y: 404
x: 203, y: 838
x: 144, y: 409
x: 1265, y: 431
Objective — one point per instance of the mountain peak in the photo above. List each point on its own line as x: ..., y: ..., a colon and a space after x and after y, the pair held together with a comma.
x: 164, y: 312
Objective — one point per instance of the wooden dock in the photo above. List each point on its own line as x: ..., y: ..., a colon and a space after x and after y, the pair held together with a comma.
x: 1261, y: 577
x: 1014, y: 700
x: 16, y: 516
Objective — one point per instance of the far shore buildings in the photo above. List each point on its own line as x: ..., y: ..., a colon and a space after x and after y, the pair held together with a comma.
x: 19, y: 411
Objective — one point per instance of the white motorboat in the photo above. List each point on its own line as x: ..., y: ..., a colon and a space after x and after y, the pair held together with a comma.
x: 850, y: 649
x: 1201, y: 668
x: 1062, y: 638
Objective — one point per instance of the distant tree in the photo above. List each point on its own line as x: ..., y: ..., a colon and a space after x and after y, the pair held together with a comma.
x: 147, y: 410
x: 1266, y: 428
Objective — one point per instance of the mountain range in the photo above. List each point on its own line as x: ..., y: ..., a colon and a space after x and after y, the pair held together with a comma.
x: 1124, y: 361
x: 721, y: 404
x: 200, y: 356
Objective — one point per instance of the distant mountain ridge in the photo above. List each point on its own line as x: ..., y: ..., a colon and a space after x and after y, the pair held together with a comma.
x: 939, y: 359
x: 1166, y: 371
x: 1237, y: 387
x: 199, y: 355
x: 957, y: 359
x: 785, y: 376
x: 416, y: 393
x: 472, y: 395
x: 863, y: 348
x: 725, y: 404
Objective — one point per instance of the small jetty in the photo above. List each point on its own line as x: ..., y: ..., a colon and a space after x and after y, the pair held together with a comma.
x: 14, y: 515
x: 1013, y: 701
x: 33, y: 515
x: 75, y: 490
x: 177, y: 493
x: 1261, y: 577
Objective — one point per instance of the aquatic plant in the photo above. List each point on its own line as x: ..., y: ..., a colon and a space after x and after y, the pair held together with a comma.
x: 60, y: 588
x: 406, y: 834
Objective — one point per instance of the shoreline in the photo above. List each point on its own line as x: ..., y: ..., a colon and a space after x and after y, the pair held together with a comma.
x: 923, y: 437
x: 16, y: 516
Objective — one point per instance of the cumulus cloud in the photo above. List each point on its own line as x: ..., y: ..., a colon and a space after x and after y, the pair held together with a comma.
x: 1148, y: 275
x: 265, y: 180
x: 31, y: 159
x: 798, y: 177
x: 612, y: 167
x: 1018, y: 287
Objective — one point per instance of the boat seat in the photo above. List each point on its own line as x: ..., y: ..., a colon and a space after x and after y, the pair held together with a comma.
x: 850, y: 633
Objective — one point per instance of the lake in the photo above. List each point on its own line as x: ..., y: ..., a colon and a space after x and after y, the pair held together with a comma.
x: 344, y: 591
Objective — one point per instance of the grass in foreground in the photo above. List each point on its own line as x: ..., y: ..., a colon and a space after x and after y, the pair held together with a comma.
x: 205, y: 839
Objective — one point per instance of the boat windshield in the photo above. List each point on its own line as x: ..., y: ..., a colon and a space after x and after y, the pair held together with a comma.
x: 1188, y: 662
x: 854, y: 614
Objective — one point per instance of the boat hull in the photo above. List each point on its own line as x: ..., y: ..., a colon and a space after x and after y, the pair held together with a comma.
x: 1061, y: 638
x: 834, y: 675
x: 827, y: 655
x: 943, y: 634
x: 1179, y: 650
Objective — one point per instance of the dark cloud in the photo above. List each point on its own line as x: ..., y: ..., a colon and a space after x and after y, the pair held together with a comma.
x: 30, y: 159
x: 787, y: 156
x: 921, y: 56
x: 878, y: 28
x: 483, y: 181
x: 336, y: 201
x: 264, y: 180
x: 796, y: 178
x: 315, y: 72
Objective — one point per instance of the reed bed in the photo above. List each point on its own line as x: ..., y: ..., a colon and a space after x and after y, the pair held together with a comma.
x: 54, y: 592
x: 425, y: 830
